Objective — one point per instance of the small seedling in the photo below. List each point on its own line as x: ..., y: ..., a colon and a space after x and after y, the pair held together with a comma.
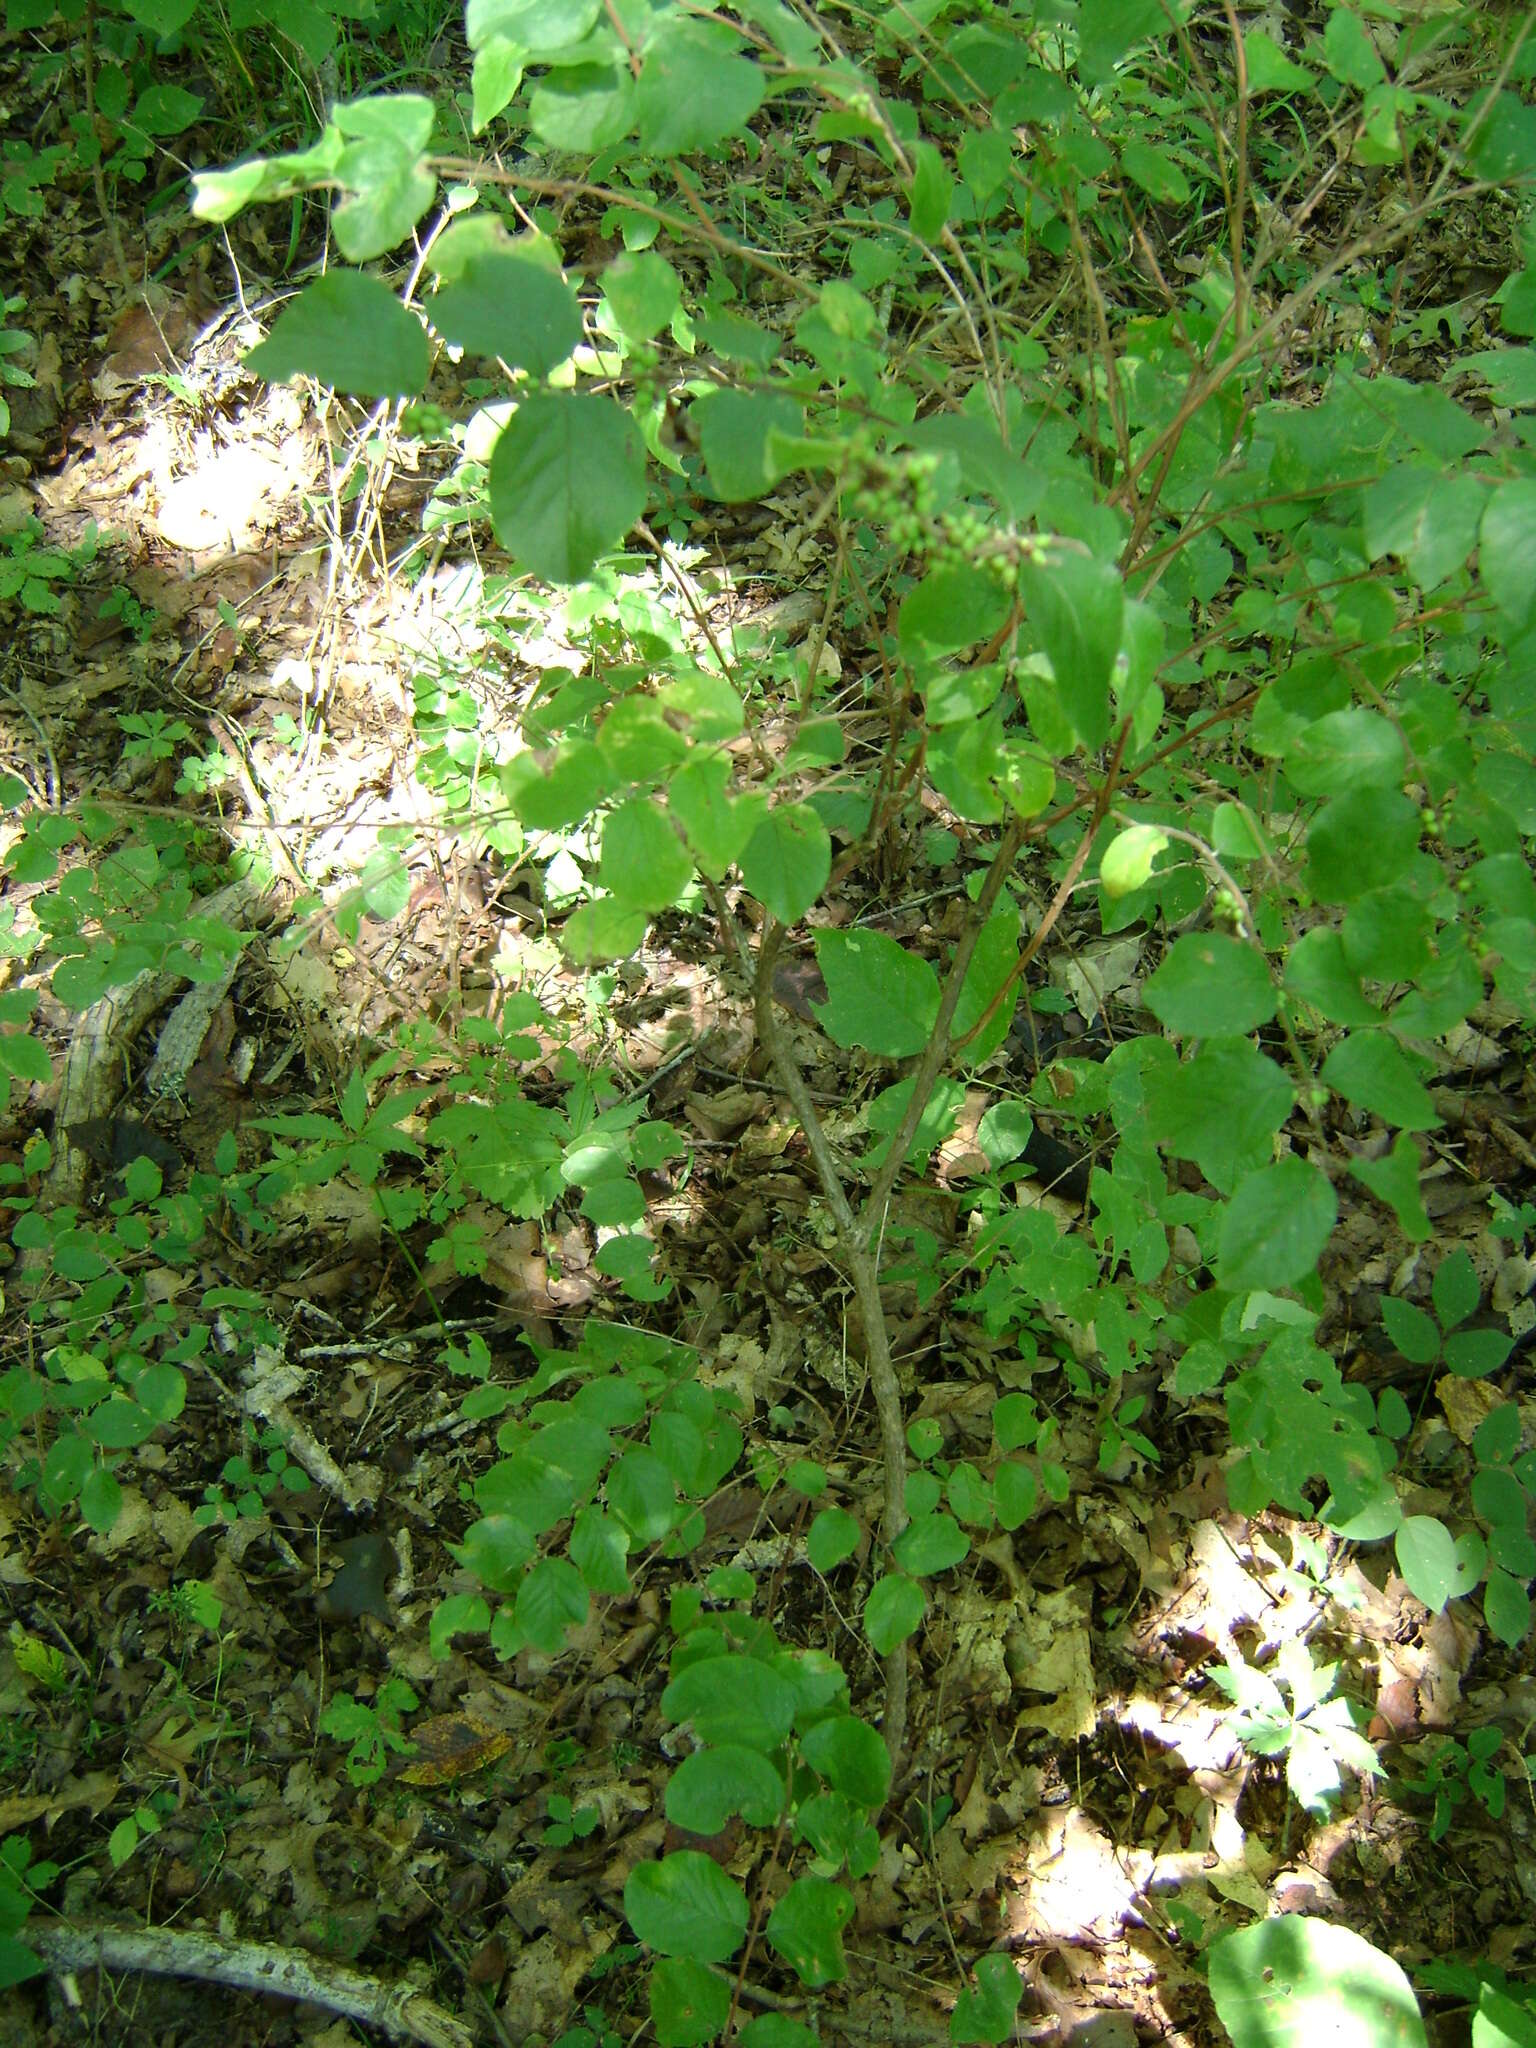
x: 568, y: 1824
x: 372, y: 1731
x: 1455, y: 1772
x: 1315, y: 1732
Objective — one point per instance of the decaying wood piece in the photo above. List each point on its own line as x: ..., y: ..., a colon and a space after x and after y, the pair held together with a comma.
x: 399, y: 2010
x: 91, y: 1081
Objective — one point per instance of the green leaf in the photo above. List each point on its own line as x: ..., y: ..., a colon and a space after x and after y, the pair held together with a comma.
x: 1395, y: 1182
x: 25, y: 1057
x: 985, y: 158
x: 1275, y: 1227
x: 986, y: 2014
x: 712, y: 1785
x: 498, y: 1549
x: 1157, y: 171
x: 644, y: 864
x: 599, y: 1550
x: 1210, y: 986
x: 643, y: 1494
x: 536, y: 24
x: 1014, y: 1490
x: 1294, y: 1981
x: 1128, y: 859
x: 644, y: 292
x: 586, y: 108
x: 1507, y: 547
x: 1015, y: 1422
x: 1455, y: 1289
x: 566, y: 483
x: 1075, y: 604
x: 689, y: 2003
x: 735, y: 430
x: 1318, y: 971
x: 695, y: 87
x: 1428, y: 518
x: 1110, y: 30
x: 732, y: 1700
x: 887, y: 1112
x: 1269, y: 68
x: 847, y: 1754
x: 1474, y: 1354
x: 718, y: 827
x: 1222, y: 1109
x: 962, y: 766
x: 787, y: 860
x: 993, y: 960
x: 954, y: 695
x: 1362, y: 841
x: 1349, y: 53
x: 832, y: 1538
x: 600, y: 931
x: 496, y: 303
x: 459, y: 1614
x: 1426, y: 1557
x: 165, y: 110
x: 638, y: 741
x: 1370, y: 1070
x: 772, y: 2029
x: 952, y: 607
x: 1501, y: 2022
x: 1346, y: 750
x: 895, y: 1607
x: 529, y: 1488
x: 806, y: 1929
x: 931, y: 1543
x: 931, y: 194
x: 685, y: 1905
x: 1506, y: 1607
x: 381, y: 168
x: 17, y: 1962
x: 101, y: 1500
x: 970, y: 1496
x: 1413, y: 1332
x: 349, y: 331
x: 161, y: 17
x: 551, y: 1600
x: 879, y: 996
x: 118, y: 1424
x: 494, y: 79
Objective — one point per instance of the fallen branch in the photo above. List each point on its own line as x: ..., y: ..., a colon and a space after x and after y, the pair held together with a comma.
x: 399, y: 2010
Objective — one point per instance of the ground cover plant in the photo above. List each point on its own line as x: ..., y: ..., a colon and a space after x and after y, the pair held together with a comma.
x: 989, y: 553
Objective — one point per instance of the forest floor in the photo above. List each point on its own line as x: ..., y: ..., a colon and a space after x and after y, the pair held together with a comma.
x: 1073, y: 1767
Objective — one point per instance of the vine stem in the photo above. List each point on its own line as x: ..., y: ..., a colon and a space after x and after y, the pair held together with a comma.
x: 861, y: 1232
x: 98, y: 179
